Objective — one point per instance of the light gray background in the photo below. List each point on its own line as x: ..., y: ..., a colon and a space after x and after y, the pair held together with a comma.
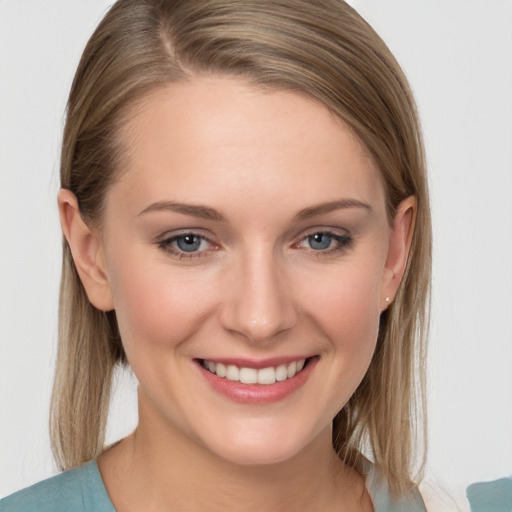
x: 458, y: 57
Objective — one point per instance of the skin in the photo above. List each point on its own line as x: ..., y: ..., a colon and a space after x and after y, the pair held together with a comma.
x: 255, y: 289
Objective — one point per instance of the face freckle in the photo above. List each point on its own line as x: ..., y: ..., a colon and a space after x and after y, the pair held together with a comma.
x: 248, y: 230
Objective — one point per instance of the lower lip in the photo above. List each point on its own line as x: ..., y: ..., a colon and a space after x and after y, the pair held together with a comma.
x: 258, y: 393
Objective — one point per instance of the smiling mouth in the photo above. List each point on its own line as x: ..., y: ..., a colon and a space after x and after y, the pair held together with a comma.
x: 265, y: 376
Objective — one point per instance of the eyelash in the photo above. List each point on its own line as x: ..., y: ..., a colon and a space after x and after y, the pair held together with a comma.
x: 343, y: 242
x: 167, y: 246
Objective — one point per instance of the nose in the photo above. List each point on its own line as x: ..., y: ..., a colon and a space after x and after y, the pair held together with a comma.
x: 259, y: 303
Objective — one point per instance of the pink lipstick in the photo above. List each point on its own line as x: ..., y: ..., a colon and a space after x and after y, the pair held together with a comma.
x: 257, y: 382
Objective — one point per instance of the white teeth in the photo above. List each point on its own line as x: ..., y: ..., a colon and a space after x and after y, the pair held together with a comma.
x: 281, y: 373
x: 292, y: 369
x: 265, y: 376
x: 248, y: 375
x: 232, y: 372
x: 221, y: 370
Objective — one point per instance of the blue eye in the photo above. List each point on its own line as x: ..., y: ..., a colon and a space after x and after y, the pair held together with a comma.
x: 320, y: 241
x: 186, y: 245
x: 325, y: 242
x: 188, y: 242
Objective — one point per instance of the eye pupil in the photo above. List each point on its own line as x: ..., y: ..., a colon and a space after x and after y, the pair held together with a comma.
x: 188, y: 243
x: 319, y: 241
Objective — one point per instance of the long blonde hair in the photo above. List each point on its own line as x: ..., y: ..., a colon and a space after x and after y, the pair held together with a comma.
x: 323, y: 49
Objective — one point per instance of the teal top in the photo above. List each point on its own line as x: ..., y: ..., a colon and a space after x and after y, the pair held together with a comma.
x: 495, y: 496
x: 77, y: 490
x: 82, y: 490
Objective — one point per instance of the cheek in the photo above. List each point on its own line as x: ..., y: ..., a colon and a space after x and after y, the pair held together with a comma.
x: 156, y: 307
x: 347, y: 310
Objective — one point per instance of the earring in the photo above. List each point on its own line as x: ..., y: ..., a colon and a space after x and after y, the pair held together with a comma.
x: 388, y: 299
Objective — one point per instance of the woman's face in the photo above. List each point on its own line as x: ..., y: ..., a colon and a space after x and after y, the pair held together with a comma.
x: 245, y: 239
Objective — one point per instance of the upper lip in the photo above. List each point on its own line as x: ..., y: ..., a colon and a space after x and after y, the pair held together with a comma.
x: 257, y: 364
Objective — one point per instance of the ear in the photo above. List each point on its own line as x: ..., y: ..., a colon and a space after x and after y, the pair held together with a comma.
x: 398, y: 251
x: 87, y: 252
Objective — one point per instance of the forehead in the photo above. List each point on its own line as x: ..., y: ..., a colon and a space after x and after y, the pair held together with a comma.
x: 213, y: 138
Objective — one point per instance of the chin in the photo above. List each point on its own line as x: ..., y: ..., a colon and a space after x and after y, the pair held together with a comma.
x: 253, y: 445
x: 256, y: 456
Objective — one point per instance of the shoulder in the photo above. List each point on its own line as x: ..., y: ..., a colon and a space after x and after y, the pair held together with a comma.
x: 77, y: 490
x: 383, y: 501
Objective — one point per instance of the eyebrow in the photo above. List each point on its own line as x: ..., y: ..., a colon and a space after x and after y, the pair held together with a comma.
x: 202, y: 212
x: 330, y: 207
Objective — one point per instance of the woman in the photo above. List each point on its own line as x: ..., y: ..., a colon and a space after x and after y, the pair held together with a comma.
x: 246, y: 218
